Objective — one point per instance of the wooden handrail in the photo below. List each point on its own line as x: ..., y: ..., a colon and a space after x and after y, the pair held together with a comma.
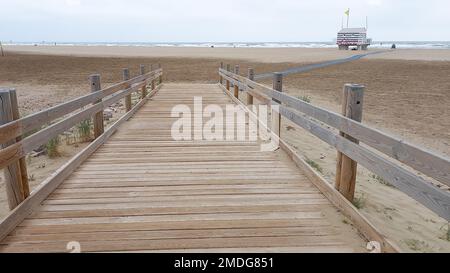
x: 408, y: 182
x: 427, y: 162
x: 20, y: 149
x: 35, y: 121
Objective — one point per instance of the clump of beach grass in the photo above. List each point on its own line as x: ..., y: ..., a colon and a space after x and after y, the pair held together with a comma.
x: 446, y: 236
x: 380, y: 180
x: 305, y: 98
x: 52, y: 147
x: 314, y: 165
x: 84, y: 130
x: 359, y: 202
x: 417, y: 245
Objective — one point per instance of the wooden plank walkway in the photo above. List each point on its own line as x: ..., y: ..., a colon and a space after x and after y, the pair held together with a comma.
x: 143, y: 192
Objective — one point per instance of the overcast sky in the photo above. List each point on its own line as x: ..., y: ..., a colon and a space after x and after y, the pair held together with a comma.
x: 219, y: 21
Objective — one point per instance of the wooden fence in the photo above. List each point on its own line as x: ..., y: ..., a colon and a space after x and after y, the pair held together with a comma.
x: 391, y: 158
x: 60, y: 118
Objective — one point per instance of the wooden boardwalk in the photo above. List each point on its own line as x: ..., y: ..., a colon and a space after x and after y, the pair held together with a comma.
x: 142, y: 191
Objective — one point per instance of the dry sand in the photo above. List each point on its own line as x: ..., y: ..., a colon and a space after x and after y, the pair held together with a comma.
x: 415, y: 55
x: 406, y: 98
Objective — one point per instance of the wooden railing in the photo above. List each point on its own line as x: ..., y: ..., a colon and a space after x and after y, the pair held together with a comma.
x: 390, y: 160
x: 61, y: 118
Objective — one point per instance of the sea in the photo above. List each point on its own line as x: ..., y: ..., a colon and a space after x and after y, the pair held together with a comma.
x: 375, y: 44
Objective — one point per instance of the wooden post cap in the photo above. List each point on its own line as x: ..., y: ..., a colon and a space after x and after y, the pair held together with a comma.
x: 251, y: 74
x: 278, y: 81
x: 95, y: 82
x: 126, y: 74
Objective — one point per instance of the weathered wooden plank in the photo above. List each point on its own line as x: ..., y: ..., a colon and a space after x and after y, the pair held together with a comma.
x: 166, y: 243
x: 54, y: 211
x: 170, y: 225
x: 175, y: 188
x: 174, y: 193
x: 193, y: 203
x: 208, y: 198
x: 262, y: 250
x: 183, y: 217
x: 172, y: 234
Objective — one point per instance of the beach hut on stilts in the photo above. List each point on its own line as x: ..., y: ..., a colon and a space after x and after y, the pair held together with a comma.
x: 352, y: 37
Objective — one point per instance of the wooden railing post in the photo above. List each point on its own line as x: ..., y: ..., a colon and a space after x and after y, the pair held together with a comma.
x: 346, y: 168
x: 160, y: 77
x: 228, y: 82
x: 236, y: 86
x: 276, y: 116
x: 98, y: 117
x: 144, y: 88
x: 17, y: 190
x: 126, y: 77
x: 220, y: 76
x: 251, y: 76
x: 22, y: 161
x: 153, y: 81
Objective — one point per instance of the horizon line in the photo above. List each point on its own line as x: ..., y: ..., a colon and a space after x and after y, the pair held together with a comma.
x: 217, y: 42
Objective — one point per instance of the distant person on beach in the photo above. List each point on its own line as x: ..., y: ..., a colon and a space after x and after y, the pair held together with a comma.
x: 393, y: 46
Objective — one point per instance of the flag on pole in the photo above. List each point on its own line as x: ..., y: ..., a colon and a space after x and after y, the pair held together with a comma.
x: 348, y: 15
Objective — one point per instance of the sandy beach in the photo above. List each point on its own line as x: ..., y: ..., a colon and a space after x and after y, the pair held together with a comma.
x: 408, y: 95
x: 266, y: 55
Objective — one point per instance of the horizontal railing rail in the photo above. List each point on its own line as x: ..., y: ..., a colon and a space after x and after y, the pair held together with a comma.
x: 305, y: 115
x: 427, y: 162
x: 59, y: 119
x: 35, y: 121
